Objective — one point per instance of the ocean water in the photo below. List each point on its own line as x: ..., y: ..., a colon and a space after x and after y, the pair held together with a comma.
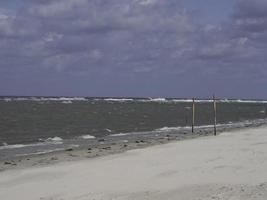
x: 32, y: 121
x: 28, y: 120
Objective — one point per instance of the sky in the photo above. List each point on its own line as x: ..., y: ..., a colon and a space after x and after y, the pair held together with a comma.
x: 134, y: 48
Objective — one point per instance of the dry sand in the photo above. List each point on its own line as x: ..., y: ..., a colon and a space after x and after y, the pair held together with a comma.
x: 230, y: 166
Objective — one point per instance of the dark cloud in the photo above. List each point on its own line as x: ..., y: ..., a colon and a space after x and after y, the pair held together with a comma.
x: 115, y: 33
x: 250, y: 9
x: 130, y: 40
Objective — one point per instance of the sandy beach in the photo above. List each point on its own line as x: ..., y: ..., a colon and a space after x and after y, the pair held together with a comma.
x: 230, y: 166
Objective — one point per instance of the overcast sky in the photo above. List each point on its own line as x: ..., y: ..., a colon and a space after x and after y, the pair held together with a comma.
x: 144, y: 48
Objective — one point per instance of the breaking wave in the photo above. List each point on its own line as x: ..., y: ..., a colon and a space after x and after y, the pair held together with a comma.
x: 86, y: 137
x: 68, y: 100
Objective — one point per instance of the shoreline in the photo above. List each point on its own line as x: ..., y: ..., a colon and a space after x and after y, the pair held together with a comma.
x: 106, y: 148
x: 231, y: 165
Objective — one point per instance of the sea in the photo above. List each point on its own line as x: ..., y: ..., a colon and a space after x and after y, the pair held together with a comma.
x: 37, y: 125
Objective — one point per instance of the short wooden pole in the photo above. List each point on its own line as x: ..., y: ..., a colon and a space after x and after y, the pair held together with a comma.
x: 193, y: 114
x: 215, y: 115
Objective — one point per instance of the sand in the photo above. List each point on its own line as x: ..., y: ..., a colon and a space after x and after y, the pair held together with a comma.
x: 231, y: 166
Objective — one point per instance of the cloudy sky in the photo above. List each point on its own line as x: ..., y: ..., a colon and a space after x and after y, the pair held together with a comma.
x: 145, y: 48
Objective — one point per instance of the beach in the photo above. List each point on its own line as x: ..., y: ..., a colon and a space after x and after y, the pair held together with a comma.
x: 133, y: 100
x: 231, y: 165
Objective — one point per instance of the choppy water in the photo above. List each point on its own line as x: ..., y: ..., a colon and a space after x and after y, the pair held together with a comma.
x: 31, y: 120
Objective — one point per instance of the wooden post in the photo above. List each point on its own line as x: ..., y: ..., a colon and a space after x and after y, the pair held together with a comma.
x: 215, y: 115
x: 193, y: 114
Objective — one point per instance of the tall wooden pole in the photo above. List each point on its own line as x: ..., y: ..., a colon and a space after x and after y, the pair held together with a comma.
x: 193, y: 114
x: 215, y: 115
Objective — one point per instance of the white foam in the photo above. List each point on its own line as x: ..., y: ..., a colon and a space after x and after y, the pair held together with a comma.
x: 189, y: 127
x: 7, y: 99
x: 87, y: 137
x: 119, y: 134
x: 130, y: 133
x: 204, y: 101
x: 163, y: 100
x: 70, y: 99
x: 242, y: 101
x: 67, y: 102
x: 41, y: 152
x: 229, y: 124
x: 17, y: 146
x: 158, y: 100
x: 118, y: 100
x: 181, y: 100
x: 169, y: 129
x: 45, y: 99
x: 54, y: 139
